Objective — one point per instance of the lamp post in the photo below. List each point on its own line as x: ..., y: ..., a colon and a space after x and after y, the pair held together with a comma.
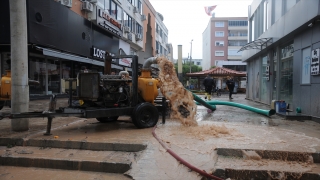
x: 190, y: 60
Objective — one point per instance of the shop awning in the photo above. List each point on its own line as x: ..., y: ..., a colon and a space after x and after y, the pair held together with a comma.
x: 257, y: 44
x: 62, y: 55
x: 218, y: 72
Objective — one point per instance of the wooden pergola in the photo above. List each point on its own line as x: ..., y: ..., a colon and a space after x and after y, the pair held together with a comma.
x: 217, y: 73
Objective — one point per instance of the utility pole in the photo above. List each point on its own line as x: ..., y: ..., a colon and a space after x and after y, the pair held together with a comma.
x: 19, y: 64
x: 190, y: 60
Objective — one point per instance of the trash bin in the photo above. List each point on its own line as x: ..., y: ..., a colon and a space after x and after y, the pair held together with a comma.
x: 281, y: 106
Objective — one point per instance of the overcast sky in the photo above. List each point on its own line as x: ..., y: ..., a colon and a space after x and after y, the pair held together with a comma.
x: 187, y: 20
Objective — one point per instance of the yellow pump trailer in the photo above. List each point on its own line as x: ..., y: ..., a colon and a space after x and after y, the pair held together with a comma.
x: 147, y: 86
x: 5, y: 90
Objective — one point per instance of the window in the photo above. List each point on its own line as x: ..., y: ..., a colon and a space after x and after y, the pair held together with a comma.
x: 140, y: 6
x: 198, y: 63
x: 157, y: 28
x: 237, y: 43
x: 165, y: 37
x: 219, y: 43
x: 238, y: 23
x: 265, y: 16
x: 119, y: 13
x: 113, y: 9
x: 138, y: 28
x: 234, y: 52
x: 252, y: 29
x: 219, y: 24
x: 157, y: 46
x: 219, y: 34
x: 219, y: 53
x: 127, y: 21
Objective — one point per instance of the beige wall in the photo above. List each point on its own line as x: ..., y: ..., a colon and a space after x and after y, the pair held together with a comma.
x: 150, y: 13
x: 76, y: 7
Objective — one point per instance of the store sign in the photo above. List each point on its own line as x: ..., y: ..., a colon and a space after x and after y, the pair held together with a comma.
x: 98, y: 53
x: 105, y: 20
x: 315, y: 62
x: 125, y: 62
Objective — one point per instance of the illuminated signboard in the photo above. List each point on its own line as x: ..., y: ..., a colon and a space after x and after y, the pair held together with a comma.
x: 105, y: 20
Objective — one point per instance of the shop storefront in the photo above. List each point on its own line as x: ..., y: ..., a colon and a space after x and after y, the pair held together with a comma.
x: 60, y: 42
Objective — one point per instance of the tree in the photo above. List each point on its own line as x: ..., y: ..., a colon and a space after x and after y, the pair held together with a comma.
x: 186, y: 69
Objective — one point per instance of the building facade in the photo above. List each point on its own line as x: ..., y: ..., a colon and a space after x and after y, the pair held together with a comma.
x: 283, y: 54
x: 63, y: 36
x: 222, y: 39
x: 161, y: 36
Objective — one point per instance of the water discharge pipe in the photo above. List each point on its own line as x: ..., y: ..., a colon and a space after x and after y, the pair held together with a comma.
x: 204, y: 103
x: 148, y: 62
x: 182, y: 161
x: 249, y: 108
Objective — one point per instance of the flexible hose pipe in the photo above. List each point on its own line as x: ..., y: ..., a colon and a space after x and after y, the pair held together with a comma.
x: 193, y: 168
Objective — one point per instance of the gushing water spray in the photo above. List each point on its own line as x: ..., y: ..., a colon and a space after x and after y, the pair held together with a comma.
x: 181, y: 100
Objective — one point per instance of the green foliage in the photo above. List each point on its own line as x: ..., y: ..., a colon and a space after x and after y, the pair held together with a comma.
x: 186, y: 69
x: 212, y: 67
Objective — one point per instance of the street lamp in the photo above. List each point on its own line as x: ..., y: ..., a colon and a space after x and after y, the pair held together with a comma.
x: 190, y: 61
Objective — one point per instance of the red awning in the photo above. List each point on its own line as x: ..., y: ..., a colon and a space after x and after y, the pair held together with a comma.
x: 218, y: 71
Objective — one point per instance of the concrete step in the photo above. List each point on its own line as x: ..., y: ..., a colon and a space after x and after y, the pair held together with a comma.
x: 84, y: 145
x: 265, y: 169
x: 12, y: 172
x: 266, y: 164
x: 67, y: 159
x: 272, y: 154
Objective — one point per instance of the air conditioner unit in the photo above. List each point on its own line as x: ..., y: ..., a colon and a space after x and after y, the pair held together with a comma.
x: 135, y: 10
x: 67, y: 3
x: 87, y: 6
x: 130, y: 36
x: 126, y: 29
x: 93, y: 1
x: 138, y: 37
x: 143, y: 17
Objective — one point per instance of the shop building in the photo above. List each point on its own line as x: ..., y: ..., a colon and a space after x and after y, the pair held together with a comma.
x: 63, y: 36
x: 282, y: 55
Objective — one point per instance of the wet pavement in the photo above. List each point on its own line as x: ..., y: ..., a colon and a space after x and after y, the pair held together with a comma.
x: 226, y: 128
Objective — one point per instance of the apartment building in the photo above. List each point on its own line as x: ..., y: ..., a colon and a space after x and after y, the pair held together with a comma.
x: 161, y: 36
x: 64, y: 35
x: 221, y: 41
x: 283, y: 54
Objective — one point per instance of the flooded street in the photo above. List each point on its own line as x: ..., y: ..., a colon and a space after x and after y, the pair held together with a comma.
x: 231, y: 128
x: 226, y: 128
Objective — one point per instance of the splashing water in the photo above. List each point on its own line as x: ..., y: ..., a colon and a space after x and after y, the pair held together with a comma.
x: 181, y: 100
